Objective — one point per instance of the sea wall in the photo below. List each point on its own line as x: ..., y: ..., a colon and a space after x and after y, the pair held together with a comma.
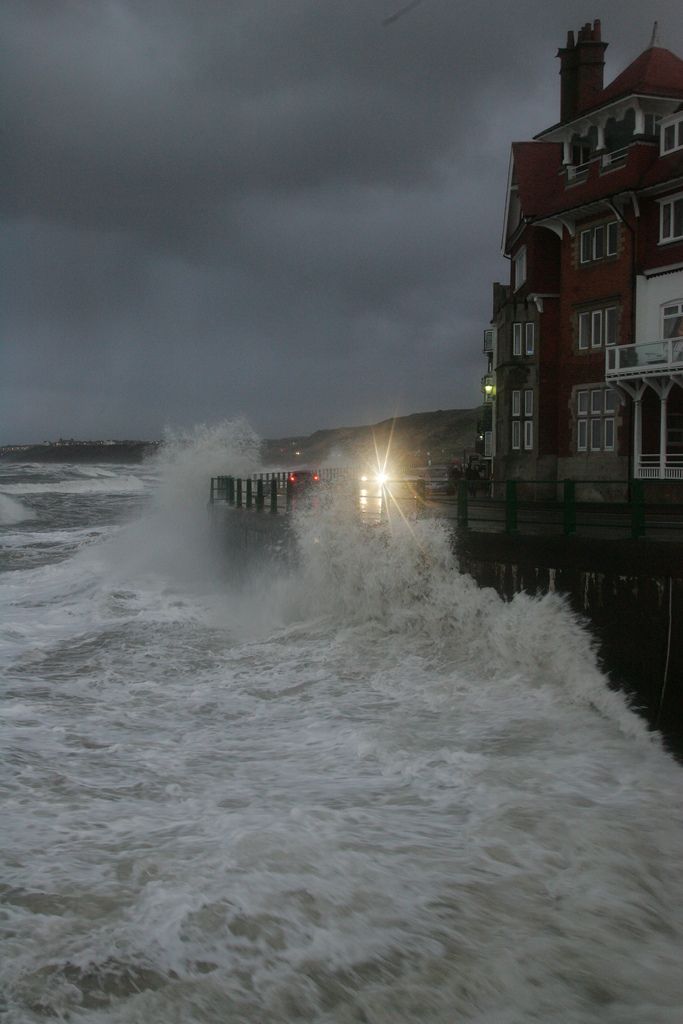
x: 630, y: 594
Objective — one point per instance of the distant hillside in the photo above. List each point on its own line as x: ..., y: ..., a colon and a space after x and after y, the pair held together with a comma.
x: 441, y: 436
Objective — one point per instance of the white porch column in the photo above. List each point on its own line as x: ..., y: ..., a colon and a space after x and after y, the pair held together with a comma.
x: 600, y: 125
x: 663, y: 402
x: 566, y: 152
x: 637, y: 433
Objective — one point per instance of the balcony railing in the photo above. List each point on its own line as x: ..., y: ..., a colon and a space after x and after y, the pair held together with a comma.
x: 617, y: 158
x: 653, y: 467
x: 649, y: 358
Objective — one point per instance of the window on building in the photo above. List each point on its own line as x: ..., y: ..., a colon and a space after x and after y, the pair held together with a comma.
x: 672, y: 320
x: 517, y: 339
x: 523, y: 338
x: 595, y: 419
x: 671, y: 219
x: 522, y: 428
x: 611, y: 325
x: 597, y: 242
x: 597, y: 327
x: 671, y: 136
x: 519, y: 266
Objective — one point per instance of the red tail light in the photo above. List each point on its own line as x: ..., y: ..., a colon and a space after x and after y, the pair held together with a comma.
x: 292, y: 477
x: 315, y: 476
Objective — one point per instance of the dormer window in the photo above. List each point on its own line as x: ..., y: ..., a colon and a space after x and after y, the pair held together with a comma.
x: 671, y: 136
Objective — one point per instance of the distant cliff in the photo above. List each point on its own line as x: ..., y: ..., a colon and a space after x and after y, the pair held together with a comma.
x: 441, y: 436
x: 80, y: 451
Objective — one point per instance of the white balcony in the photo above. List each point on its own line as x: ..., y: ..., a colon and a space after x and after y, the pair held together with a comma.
x: 645, y: 359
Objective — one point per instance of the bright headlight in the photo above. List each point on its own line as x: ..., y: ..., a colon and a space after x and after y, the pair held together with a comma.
x: 381, y: 479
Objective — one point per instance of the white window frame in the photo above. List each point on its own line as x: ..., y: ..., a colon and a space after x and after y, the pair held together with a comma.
x: 516, y: 403
x: 528, y: 435
x: 598, y: 242
x: 608, y: 426
x: 519, y: 265
x: 596, y: 328
x: 528, y: 402
x: 611, y: 401
x: 675, y: 124
x: 610, y: 325
x: 517, y: 338
x: 516, y: 435
x: 667, y: 212
x: 586, y: 246
x: 597, y: 401
x: 596, y: 426
x: 582, y: 403
x: 529, y: 337
x: 678, y: 305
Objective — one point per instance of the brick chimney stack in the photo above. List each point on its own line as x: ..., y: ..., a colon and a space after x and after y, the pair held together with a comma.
x: 582, y: 64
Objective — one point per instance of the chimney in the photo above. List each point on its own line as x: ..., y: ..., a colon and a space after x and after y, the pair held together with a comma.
x: 582, y: 65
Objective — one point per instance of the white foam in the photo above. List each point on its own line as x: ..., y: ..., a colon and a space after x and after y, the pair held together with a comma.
x: 394, y: 797
x: 109, y: 485
x: 12, y: 511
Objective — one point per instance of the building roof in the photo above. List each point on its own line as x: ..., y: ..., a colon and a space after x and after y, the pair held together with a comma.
x: 537, y: 167
x: 656, y: 72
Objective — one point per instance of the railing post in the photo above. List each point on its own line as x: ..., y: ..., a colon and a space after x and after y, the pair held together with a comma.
x: 212, y: 491
x: 569, y: 507
x: 289, y: 489
x: 231, y: 490
x: 273, y: 495
x: 238, y: 499
x: 421, y: 490
x: 249, y: 492
x: 511, y: 506
x: 259, y: 494
x: 637, y: 509
x: 462, y: 504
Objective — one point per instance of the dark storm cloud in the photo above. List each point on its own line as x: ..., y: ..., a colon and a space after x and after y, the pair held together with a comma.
x: 283, y: 208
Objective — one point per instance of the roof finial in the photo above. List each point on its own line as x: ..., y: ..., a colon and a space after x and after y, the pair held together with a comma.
x: 655, y: 35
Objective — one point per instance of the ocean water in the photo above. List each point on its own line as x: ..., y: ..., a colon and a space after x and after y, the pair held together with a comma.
x: 357, y: 790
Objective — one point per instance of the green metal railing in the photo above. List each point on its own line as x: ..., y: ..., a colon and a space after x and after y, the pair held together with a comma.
x: 564, y: 513
x: 527, y: 507
x: 250, y: 492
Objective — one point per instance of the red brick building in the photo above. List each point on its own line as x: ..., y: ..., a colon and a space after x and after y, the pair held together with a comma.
x: 586, y: 345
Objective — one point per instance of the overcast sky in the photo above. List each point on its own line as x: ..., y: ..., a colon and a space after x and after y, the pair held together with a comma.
x: 285, y: 209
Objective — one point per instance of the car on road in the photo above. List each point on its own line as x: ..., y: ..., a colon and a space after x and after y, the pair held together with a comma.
x: 302, y: 479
